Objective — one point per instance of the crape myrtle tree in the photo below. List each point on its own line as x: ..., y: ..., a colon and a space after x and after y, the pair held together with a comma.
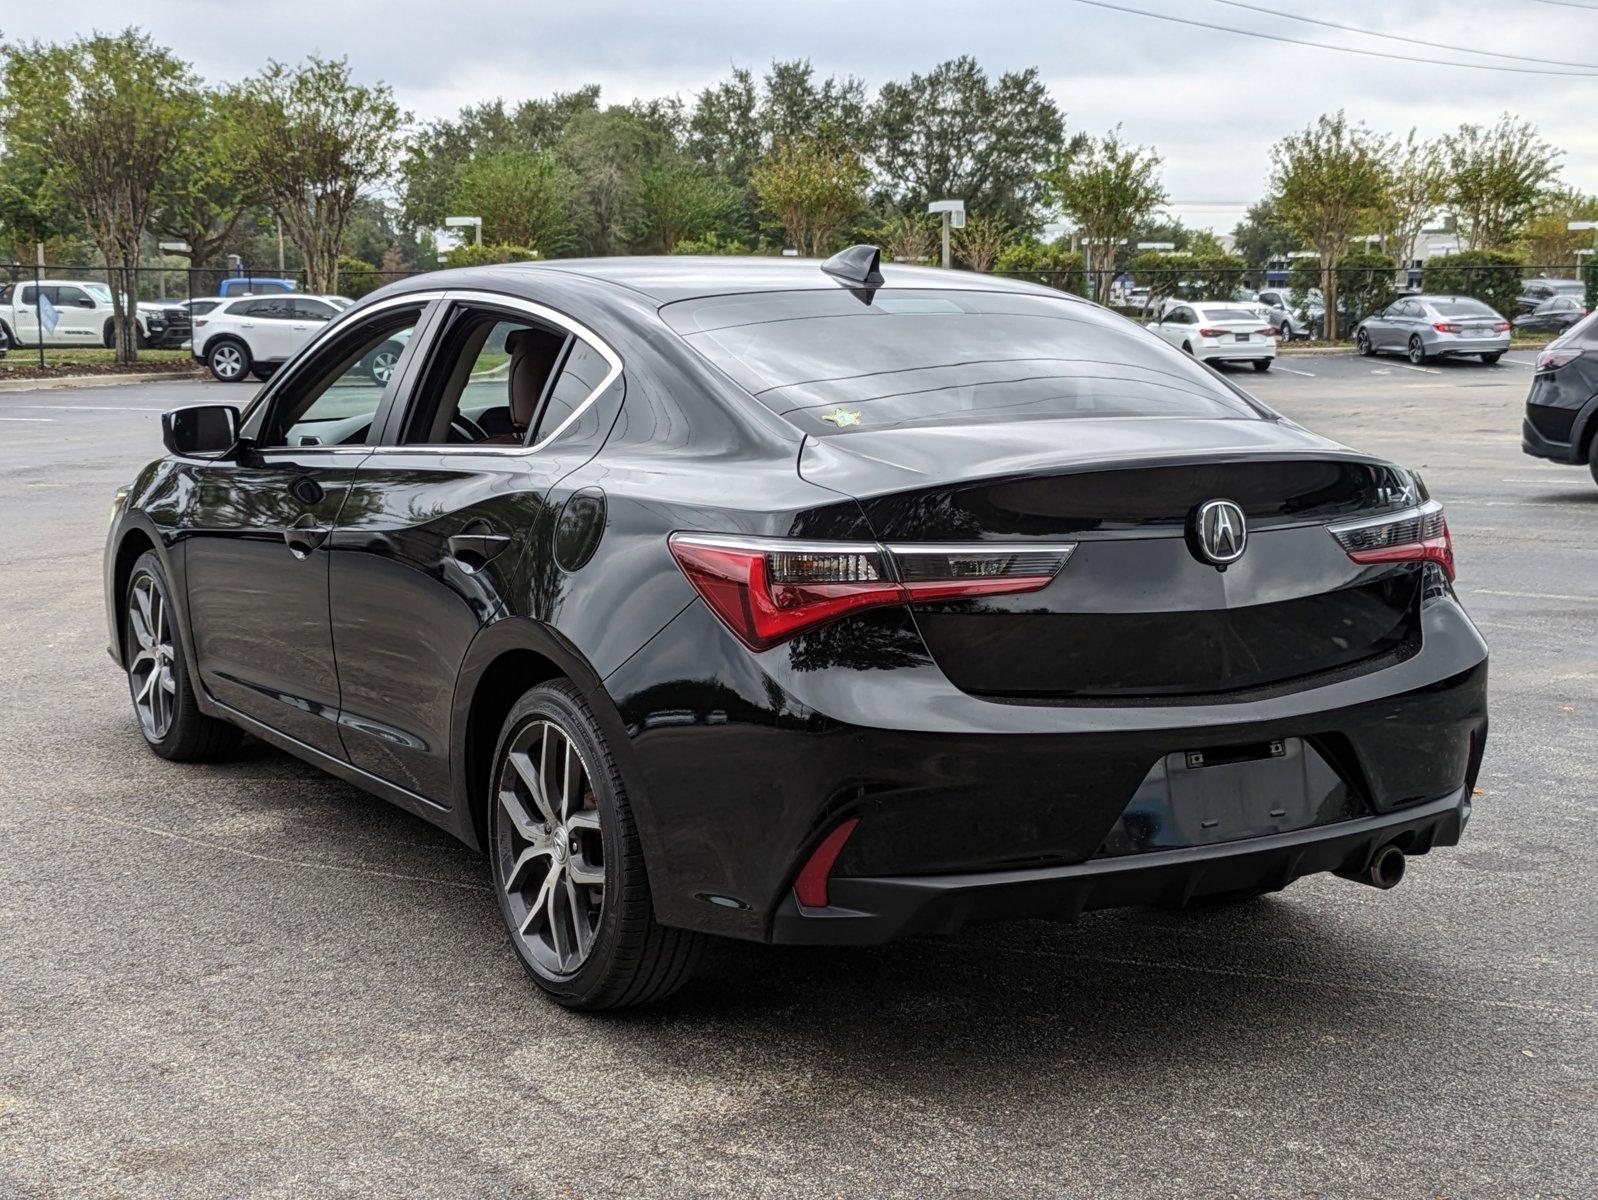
x: 813, y: 187
x: 1106, y: 188
x: 978, y: 244
x: 310, y: 141
x: 1497, y: 176
x: 100, y: 122
x: 204, y: 197
x: 1416, y: 187
x: 1326, y: 183
x: 524, y: 198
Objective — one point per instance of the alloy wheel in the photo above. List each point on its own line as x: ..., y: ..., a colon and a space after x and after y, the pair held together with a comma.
x: 227, y: 362
x: 548, y: 847
x: 383, y: 366
x: 150, y: 675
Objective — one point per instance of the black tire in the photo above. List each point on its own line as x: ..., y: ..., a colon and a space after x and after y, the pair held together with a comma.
x: 1417, y: 351
x: 108, y: 336
x: 179, y: 731
x: 1188, y: 348
x: 1592, y: 458
x: 1262, y: 364
x: 262, y: 373
x: 10, y: 337
x: 1362, y: 343
x: 1491, y: 359
x: 229, y: 360
x: 630, y: 959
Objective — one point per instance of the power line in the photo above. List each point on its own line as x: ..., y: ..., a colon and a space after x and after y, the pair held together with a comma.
x: 1571, y: 4
x: 1274, y: 37
x: 1395, y: 37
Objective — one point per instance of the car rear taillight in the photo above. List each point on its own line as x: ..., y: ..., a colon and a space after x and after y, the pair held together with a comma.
x: 1552, y: 360
x: 1502, y: 327
x: 1447, y: 326
x: 767, y: 590
x: 1215, y: 332
x: 1414, y: 535
x: 1268, y: 331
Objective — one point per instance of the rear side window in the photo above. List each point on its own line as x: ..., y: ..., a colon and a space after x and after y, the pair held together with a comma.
x: 1462, y: 308
x: 1583, y: 333
x: 583, y: 371
x: 833, y: 361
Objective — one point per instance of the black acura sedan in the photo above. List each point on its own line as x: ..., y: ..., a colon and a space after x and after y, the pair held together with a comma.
x: 803, y: 602
x: 1561, y: 422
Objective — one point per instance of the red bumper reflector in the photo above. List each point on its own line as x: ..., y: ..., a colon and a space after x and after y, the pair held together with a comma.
x: 811, y: 885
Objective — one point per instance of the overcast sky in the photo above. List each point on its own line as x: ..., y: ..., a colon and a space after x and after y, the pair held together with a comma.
x: 1211, y: 102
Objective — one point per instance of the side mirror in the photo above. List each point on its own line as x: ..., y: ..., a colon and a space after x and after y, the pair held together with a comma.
x: 85, y: 302
x: 202, y: 429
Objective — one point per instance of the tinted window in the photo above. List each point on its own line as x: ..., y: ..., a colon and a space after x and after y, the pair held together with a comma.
x: 331, y: 401
x: 919, y: 356
x: 1583, y: 333
x: 584, y: 370
x: 74, y: 296
x: 1231, y: 314
x: 312, y: 310
x: 30, y: 295
x: 1462, y: 308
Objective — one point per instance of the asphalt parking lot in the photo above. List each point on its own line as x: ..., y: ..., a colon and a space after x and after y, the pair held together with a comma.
x: 250, y: 979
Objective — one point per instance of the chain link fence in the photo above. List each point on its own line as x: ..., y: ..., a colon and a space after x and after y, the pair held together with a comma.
x: 59, y: 315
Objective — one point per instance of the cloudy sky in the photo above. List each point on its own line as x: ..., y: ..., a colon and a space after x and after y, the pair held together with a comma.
x: 1211, y: 101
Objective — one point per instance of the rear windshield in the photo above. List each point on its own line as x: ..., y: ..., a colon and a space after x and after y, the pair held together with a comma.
x: 1462, y: 308
x: 835, y: 362
x: 1229, y: 314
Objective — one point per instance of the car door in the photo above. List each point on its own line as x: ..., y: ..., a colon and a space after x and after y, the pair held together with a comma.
x: 78, y: 318
x: 1382, y: 328
x: 255, y: 557
x: 275, y: 321
x: 446, y: 530
x: 309, y: 315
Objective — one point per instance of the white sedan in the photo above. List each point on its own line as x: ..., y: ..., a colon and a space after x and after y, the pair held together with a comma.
x: 1218, y: 333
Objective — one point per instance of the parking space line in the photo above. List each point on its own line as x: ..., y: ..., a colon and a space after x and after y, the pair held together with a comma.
x: 1422, y: 370
x: 40, y: 420
x: 1519, y: 362
x: 1529, y: 595
x: 1291, y: 371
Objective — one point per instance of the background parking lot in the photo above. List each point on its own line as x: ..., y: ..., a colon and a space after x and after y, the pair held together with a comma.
x: 253, y: 979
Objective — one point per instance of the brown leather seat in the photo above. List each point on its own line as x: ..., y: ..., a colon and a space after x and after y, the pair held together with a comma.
x: 532, y: 357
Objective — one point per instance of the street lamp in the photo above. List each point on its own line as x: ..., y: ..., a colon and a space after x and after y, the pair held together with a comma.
x: 953, y: 218
x: 162, y: 249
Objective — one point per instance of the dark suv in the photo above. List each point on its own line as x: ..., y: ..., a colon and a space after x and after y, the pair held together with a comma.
x: 1562, y: 409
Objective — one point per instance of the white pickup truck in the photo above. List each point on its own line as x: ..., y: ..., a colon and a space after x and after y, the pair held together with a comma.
x: 77, y: 312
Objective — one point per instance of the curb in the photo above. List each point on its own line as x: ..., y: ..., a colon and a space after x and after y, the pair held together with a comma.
x: 38, y: 383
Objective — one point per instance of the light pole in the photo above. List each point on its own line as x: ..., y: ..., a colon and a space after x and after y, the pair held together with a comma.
x: 953, y: 218
x: 162, y: 249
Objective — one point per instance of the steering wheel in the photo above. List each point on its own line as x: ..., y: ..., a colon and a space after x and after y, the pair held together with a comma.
x: 469, y: 429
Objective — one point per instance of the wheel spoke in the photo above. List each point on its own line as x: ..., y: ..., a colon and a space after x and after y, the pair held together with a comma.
x: 584, y: 934
x: 569, y: 780
x: 586, y: 873
x: 535, y: 785
x: 524, y: 860
x: 527, y: 827
x: 541, y: 905
x: 144, y: 655
x: 584, y: 819
x: 139, y: 616
x: 561, y: 923
x: 149, y: 686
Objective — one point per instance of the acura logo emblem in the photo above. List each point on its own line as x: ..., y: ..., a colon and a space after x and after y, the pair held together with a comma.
x: 1220, y: 534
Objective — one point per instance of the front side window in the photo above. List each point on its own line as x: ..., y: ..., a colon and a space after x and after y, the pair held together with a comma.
x: 333, y: 399
x: 74, y: 297
x: 920, y: 356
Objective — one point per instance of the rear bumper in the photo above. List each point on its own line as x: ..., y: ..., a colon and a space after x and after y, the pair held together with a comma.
x: 1463, y: 345
x: 1244, y: 351
x: 737, y: 779
x: 1535, y: 444
x: 869, y: 910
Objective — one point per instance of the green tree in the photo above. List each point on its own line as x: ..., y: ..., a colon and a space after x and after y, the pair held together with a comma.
x: 100, y: 122
x: 682, y: 200
x: 437, y: 153
x: 1326, y: 183
x: 1491, y: 276
x: 909, y: 237
x: 953, y: 133
x: 1053, y: 264
x: 1496, y: 177
x: 607, y: 152
x: 1547, y: 241
x: 1106, y: 188
x: 1263, y: 237
x: 978, y: 244
x: 1416, y: 187
x: 1365, y: 283
x: 812, y: 186
x: 310, y: 142
x: 523, y: 197
x: 203, y: 197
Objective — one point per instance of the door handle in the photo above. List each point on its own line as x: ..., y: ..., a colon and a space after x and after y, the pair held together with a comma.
x: 305, y: 535
x: 474, y: 550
